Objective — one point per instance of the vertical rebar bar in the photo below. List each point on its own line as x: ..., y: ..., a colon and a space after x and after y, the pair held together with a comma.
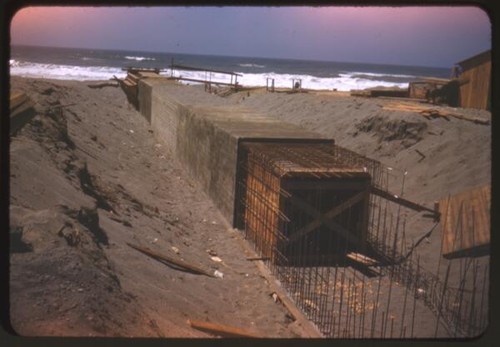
x: 415, y: 298
x: 363, y: 308
x: 485, y: 283
x: 388, y: 303
x: 473, y: 300
x: 404, y: 310
x: 375, y: 310
x: 384, y: 319
x: 441, y: 299
x: 354, y: 310
x: 362, y: 318
x: 348, y: 306
x: 392, y: 325
x: 341, y: 299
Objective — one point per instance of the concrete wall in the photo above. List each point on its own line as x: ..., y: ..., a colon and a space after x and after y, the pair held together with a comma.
x: 210, y: 155
x: 144, y: 96
x: 204, y: 133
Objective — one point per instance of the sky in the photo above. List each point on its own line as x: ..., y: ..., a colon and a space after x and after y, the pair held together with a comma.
x: 422, y: 36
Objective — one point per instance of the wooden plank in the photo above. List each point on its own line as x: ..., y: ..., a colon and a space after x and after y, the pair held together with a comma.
x: 398, y: 200
x: 176, y: 262
x: 222, y: 330
x: 362, y: 259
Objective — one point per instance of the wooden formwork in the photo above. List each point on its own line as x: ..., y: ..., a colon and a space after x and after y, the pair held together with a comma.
x: 301, y: 201
x: 475, y: 81
x: 465, y: 220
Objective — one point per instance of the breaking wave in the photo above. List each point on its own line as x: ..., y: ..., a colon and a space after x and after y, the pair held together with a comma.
x: 138, y: 58
x: 252, y: 65
x: 342, y: 82
x: 64, y: 72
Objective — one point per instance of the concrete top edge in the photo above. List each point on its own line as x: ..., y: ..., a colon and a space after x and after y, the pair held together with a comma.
x: 240, y: 122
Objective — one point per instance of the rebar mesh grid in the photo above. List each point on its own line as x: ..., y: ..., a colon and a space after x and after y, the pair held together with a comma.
x: 289, y: 193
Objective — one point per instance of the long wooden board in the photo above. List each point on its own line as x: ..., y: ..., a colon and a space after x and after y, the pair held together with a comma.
x: 221, y: 330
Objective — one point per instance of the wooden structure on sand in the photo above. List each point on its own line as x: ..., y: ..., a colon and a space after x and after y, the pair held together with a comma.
x: 465, y: 219
x: 475, y: 81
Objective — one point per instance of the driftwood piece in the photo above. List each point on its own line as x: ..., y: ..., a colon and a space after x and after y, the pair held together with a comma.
x: 171, y: 261
x: 221, y: 330
x: 102, y: 85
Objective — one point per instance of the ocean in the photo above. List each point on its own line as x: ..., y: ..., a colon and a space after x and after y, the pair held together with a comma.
x: 98, y: 64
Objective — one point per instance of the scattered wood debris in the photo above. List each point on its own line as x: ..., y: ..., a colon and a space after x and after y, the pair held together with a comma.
x: 432, y: 112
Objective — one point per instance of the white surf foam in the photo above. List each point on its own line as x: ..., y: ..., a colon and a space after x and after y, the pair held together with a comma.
x: 64, y: 72
x: 344, y: 82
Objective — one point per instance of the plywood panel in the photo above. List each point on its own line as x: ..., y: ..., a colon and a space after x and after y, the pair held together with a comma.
x: 475, y: 92
x: 465, y: 219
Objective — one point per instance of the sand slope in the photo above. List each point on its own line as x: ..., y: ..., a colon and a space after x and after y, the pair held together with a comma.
x: 87, y: 180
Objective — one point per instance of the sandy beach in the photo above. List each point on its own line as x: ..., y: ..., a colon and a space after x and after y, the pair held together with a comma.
x: 87, y: 177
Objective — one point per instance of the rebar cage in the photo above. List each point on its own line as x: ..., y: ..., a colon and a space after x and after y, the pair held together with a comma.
x: 306, y: 206
x: 325, y: 193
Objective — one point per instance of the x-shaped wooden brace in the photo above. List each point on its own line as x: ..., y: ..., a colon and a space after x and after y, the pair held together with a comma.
x: 326, y: 218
